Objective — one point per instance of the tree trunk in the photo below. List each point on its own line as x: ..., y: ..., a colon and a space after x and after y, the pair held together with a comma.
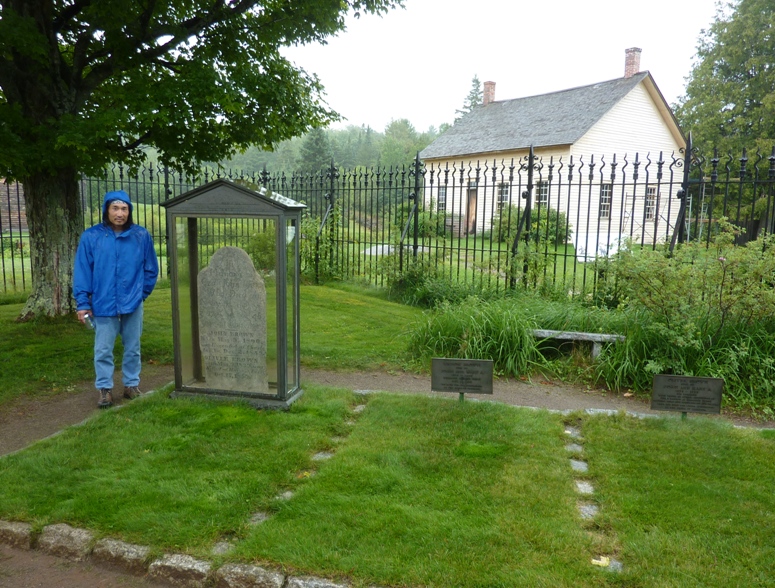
x: 55, y: 221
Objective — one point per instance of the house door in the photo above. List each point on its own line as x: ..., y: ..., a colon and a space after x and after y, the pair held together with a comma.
x: 471, y: 211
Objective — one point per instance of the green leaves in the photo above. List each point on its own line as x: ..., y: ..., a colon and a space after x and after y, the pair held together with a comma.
x: 705, y: 311
x: 730, y: 96
x: 195, y: 82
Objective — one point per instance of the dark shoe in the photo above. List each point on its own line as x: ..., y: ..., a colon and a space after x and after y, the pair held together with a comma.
x: 132, y: 392
x: 106, y: 398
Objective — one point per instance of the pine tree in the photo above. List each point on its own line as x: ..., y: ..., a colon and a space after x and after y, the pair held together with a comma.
x: 730, y: 94
x: 315, y: 153
x: 473, y: 99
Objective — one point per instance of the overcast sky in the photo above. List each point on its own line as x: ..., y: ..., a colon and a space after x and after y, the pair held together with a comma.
x: 418, y: 62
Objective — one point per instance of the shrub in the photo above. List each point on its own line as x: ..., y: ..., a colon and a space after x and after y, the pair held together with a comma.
x: 318, y: 253
x: 705, y: 311
x: 261, y: 249
x: 429, y: 223
x: 700, y: 289
x: 426, y: 281
x: 547, y: 225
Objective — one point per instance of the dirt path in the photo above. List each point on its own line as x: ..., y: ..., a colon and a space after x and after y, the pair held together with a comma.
x: 26, y: 421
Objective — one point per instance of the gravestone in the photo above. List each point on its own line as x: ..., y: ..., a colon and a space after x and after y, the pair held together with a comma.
x: 232, y: 323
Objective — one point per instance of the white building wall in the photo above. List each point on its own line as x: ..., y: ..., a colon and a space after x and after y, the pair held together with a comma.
x: 634, y: 130
x: 488, y: 174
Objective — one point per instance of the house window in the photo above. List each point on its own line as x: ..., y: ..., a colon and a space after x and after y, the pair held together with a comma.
x: 504, y: 193
x: 542, y: 193
x: 441, y: 205
x: 606, y: 191
x: 651, y: 202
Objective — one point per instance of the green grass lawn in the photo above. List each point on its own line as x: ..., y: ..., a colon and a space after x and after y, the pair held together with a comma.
x: 353, y: 328
x: 418, y: 491
x: 690, y: 503
x: 341, y: 328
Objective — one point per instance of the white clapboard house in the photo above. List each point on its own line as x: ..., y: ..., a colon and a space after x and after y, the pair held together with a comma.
x: 473, y: 169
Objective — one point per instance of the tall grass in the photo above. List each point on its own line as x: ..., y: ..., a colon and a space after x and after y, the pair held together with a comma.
x: 500, y: 330
x: 478, y: 330
x: 742, y: 355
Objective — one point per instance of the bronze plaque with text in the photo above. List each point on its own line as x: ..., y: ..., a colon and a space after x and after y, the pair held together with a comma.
x: 464, y: 376
x: 687, y: 394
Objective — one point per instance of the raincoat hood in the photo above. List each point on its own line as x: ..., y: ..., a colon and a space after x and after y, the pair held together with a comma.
x: 116, y: 195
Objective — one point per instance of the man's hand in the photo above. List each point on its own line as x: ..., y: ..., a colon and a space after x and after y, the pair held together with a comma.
x: 82, y: 315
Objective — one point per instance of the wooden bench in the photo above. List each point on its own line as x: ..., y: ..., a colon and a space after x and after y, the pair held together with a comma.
x: 597, y: 339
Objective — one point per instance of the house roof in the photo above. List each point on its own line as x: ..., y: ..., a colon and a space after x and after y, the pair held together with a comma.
x: 558, y: 118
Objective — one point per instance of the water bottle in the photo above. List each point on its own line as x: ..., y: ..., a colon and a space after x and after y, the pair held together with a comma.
x: 88, y: 321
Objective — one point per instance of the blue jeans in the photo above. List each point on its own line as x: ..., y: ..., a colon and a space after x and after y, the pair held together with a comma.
x: 106, y: 329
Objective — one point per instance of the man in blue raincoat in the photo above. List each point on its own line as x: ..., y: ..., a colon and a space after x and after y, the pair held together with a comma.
x: 115, y: 271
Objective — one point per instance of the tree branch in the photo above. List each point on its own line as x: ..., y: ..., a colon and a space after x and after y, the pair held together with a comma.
x: 65, y: 16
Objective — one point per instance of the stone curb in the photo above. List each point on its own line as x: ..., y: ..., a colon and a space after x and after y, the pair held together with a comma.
x: 65, y: 541
x: 128, y: 557
x: 247, y: 576
x: 180, y: 570
x: 177, y: 570
x: 17, y: 535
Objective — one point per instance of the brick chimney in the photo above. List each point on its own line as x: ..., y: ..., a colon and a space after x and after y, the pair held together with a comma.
x: 489, y: 93
x: 631, y: 61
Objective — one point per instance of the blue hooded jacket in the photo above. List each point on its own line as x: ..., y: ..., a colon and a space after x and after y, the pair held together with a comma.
x: 114, y: 272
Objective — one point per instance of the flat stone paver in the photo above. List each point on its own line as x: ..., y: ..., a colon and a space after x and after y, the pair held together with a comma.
x: 574, y: 432
x: 579, y: 466
x: 221, y: 548
x: 588, y: 511
x: 257, y: 518
x: 615, y: 566
x: 584, y: 487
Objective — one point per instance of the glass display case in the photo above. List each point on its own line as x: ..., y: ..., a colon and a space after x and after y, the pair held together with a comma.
x: 234, y: 270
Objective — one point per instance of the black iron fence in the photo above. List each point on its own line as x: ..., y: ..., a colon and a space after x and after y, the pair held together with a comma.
x: 495, y: 224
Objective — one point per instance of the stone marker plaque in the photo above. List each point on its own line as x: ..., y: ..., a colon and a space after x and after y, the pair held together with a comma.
x: 464, y: 376
x: 232, y: 323
x: 687, y: 394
